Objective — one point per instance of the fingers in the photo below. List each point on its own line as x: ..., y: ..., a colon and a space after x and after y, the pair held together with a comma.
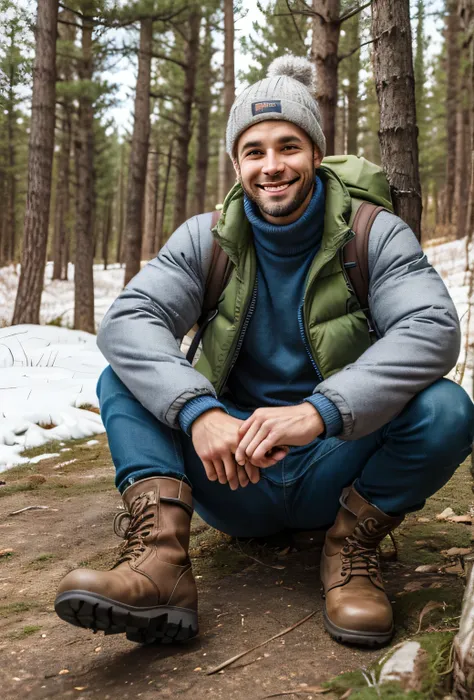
x: 231, y: 471
x: 253, y: 472
x: 209, y: 469
x: 249, y: 441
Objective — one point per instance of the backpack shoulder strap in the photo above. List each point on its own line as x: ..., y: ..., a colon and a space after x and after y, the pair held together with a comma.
x: 218, y: 275
x: 219, y: 272
x: 356, y: 252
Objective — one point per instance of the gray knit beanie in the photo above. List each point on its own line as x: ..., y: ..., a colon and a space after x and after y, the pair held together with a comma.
x: 286, y: 94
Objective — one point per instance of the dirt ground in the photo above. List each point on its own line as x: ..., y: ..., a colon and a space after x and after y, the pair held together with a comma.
x: 248, y: 593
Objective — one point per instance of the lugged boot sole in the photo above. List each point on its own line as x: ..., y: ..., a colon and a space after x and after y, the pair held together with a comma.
x: 345, y: 636
x: 163, y: 624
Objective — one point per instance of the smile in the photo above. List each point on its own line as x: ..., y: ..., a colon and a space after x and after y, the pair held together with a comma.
x: 277, y: 188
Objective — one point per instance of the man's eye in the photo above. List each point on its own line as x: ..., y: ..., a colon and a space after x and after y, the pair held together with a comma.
x: 253, y: 153
x: 292, y: 148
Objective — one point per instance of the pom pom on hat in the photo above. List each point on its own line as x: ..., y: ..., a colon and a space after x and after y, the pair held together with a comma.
x: 295, y: 67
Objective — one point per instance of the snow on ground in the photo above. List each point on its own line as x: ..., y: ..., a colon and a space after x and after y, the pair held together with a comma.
x: 48, y: 372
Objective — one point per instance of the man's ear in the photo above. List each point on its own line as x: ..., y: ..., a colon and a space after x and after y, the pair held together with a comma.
x: 317, y: 157
x: 235, y: 163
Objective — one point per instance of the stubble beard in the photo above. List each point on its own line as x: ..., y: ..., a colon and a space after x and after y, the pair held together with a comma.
x: 279, y: 210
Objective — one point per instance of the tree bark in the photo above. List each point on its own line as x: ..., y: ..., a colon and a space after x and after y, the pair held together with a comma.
x: 121, y: 207
x: 324, y: 48
x: 84, y: 162
x: 40, y: 157
x: 138, y: 154
x: 11, y: 216
x: 149, y: 225
x: 204, y: 107
x: 453, y: 50
x: 184, y: 134
x: 160, y: 222
x: 62, y: 201
x: 395, y: 85
x: 353, y: 31
x: 229, y: 80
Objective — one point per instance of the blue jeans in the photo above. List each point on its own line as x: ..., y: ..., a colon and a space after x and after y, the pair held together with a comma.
x: 396, y: 467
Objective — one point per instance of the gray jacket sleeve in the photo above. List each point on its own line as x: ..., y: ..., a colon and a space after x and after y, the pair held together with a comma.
x: 417, y: 326
x: 142, y: 331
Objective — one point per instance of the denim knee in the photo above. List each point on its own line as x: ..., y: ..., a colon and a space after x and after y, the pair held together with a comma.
x: 109, y: 384
x: 445, y: 414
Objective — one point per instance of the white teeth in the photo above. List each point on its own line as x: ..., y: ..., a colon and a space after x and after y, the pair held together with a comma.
x: 275, y: 189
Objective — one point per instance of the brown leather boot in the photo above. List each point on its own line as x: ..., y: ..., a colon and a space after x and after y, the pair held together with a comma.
x: 357, y: 609
x: 150, y: 594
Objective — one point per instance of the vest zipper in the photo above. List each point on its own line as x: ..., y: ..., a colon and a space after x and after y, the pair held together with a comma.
x: 250, y: 310
x: 306, y: 344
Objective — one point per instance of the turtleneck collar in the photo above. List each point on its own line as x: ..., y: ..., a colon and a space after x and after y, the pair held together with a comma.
x: 291, y: 239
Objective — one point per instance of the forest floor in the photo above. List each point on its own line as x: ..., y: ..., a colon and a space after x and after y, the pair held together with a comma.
x: 248, y: 593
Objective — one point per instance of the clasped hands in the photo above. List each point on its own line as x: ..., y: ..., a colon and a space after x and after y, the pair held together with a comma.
x: 233, y: 451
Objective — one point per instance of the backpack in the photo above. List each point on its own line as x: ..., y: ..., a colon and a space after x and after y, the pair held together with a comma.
x: 365, y: 181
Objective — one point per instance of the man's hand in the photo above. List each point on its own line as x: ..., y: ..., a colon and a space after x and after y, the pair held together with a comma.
x: 215, y: 437
x: 264, y: 435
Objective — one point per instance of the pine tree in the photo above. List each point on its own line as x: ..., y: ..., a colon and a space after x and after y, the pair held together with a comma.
x: 30, y: 286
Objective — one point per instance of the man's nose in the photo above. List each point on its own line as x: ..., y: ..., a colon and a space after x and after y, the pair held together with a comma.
x: 273, y: 164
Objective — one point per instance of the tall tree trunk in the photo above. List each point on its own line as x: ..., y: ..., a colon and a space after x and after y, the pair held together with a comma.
x: 62, y: 201
x: 84, y: 162
x: 160, y: 221
x: 324, y: 47
x: 149, y: 225
x: 463, y: 154
x: 202, y: 141
x: 184, y: 135
x: 138, y: 154
x: 393, y: 69
x: 121, y: 207
x: 452, y: 78
x: 106, y: 231
x: 353, y: 31
x: 229, y: 79
x: 11, y: 218
x: 40, y: 157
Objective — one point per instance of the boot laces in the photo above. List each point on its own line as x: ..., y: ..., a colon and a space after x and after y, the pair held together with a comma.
x: 358, y: 560
x: 138, y: 526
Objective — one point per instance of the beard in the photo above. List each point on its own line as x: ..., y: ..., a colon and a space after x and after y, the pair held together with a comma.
x: 280, y: 209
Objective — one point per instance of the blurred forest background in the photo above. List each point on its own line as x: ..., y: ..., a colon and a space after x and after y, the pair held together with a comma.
x: 120, y: 186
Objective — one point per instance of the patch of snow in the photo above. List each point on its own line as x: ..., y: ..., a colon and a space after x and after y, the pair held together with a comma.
x: 46, y: 374
x: 92, y: 442
x: 401, y: 663
x: 40, y: 458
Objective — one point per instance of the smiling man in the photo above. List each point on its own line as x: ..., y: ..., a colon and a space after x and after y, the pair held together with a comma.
x: 293, y: 418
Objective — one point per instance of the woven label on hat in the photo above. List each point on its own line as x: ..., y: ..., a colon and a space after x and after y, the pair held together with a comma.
x: 262, y: 107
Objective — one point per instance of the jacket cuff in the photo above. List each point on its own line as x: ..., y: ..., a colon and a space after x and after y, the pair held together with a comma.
x: 195, y: 407
x: 329, y: 413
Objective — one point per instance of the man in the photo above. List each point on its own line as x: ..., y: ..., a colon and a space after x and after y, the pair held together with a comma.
x: 292, y: 417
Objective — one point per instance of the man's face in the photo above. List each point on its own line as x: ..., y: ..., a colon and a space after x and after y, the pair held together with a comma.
x: 275, y: 165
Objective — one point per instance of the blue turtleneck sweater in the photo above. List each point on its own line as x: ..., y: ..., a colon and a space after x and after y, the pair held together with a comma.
x: 274, y: 367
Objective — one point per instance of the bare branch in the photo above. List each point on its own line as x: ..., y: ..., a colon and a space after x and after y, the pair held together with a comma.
x: 354, y: 11
x: 69, y: 9
x: 164, y: 96
x: 357, y: 48
x: 294, y: 22
x: 172, y: 120
x: 70, y: 24
x: 163, y: 57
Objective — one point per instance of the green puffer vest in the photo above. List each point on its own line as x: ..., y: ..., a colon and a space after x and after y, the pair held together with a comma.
x: 335, y: 326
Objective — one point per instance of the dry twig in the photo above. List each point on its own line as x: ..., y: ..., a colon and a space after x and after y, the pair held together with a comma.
x: 22, y: 510
x: 257, y: 646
